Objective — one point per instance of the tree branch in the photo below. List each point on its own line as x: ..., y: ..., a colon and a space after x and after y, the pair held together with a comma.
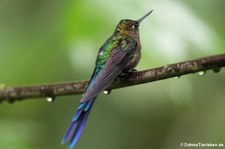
x: 215, y: 63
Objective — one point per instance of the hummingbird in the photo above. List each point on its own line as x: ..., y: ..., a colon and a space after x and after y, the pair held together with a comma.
x: 119, y: 55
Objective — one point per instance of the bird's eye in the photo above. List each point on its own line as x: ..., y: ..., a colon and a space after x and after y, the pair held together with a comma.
x: 133, y: 26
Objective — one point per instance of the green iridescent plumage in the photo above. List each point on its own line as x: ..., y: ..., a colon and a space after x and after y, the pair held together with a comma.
x: 119, y: 54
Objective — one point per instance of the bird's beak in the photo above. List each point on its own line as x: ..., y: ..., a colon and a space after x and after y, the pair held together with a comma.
x: 142, y: 18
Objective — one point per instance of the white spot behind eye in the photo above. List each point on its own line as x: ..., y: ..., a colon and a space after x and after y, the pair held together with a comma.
x: 133, y: 27
x: 101, y: 53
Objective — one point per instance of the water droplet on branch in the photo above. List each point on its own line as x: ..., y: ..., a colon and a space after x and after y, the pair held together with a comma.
x: 216, y: 69
x: 50, y: 99
x: 107, y: 92
x: 177, y: 77
x: 201, y: 73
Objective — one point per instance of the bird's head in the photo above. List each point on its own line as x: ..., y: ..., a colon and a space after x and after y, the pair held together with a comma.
x: 130, y: 27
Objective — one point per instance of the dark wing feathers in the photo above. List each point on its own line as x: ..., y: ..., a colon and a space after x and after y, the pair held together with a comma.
x: 113, y: 67
x: 100, y: 80
x: 118, y: 55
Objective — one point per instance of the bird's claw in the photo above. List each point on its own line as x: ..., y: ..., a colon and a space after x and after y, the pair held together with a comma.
x: 125, y: 75
x: 130, y: 72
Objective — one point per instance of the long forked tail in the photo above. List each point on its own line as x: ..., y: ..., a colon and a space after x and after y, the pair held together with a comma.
x: 78, y: 123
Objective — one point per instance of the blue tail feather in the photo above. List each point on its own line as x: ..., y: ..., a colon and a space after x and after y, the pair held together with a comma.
x: 79, y: 129
x: 81, y: 106
x: 87, y: 106
x: 69, y: 133
x: 77, y: 114
x: 78, y: 123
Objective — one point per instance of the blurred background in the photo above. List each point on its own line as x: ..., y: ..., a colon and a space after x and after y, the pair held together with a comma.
x: 48, y: 41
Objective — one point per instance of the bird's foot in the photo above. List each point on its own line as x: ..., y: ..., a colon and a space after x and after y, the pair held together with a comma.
x: 125, y: 75
x: 129, y: 73
x: 133, y: 70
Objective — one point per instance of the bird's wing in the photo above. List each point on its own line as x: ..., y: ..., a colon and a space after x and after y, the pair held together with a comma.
x: 103, y: 75
x: 115, y: 63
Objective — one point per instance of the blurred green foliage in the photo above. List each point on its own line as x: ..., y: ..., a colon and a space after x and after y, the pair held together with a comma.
x: 49, y: 41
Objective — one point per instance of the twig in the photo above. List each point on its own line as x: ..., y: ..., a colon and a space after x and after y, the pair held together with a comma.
x: 215, y: 63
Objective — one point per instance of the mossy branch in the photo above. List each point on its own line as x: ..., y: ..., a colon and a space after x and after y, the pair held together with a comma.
x: 214, y: 63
